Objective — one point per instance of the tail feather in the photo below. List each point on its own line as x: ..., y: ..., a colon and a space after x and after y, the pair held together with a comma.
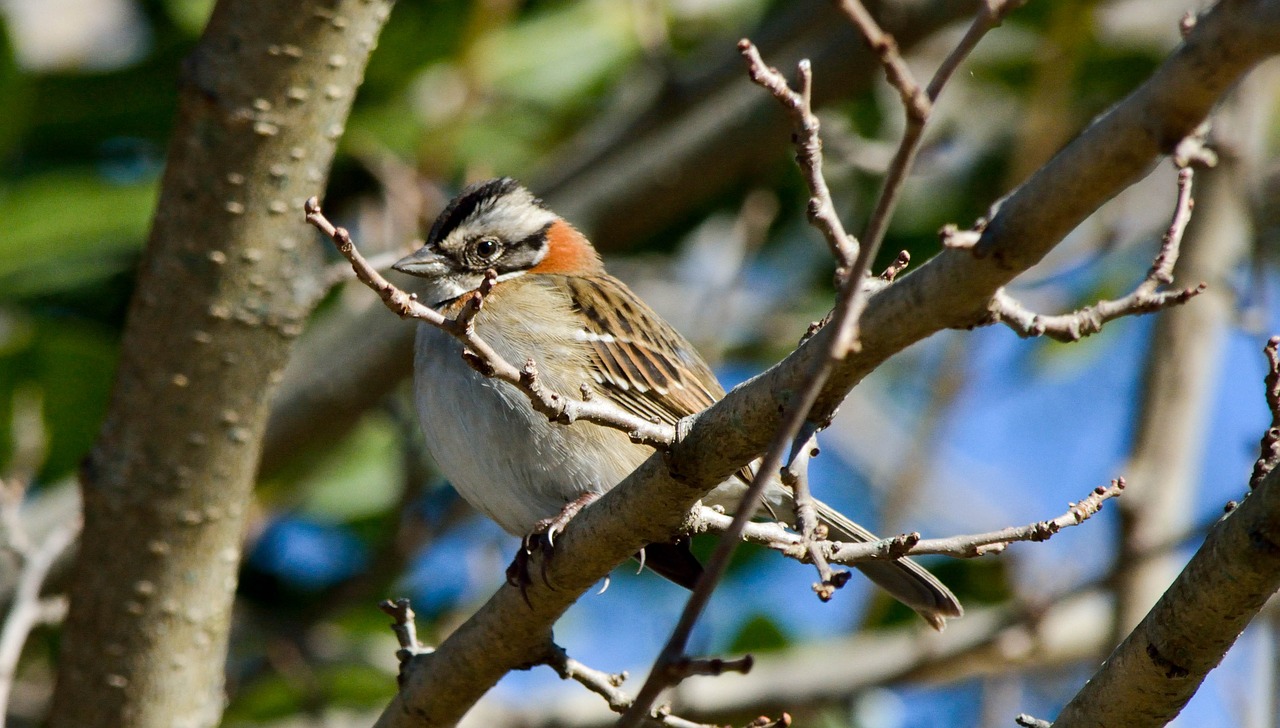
x: 904, y: 579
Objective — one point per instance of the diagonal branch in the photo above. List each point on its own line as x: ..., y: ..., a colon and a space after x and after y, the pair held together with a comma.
x: 844, y: 324
x: 1152, y: 674
x: 917, y: 103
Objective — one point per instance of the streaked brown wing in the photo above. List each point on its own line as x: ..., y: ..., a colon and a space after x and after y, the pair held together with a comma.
x: 639, y: 360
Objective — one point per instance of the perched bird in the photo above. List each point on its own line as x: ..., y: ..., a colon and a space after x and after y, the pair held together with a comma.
x: 553, y: 302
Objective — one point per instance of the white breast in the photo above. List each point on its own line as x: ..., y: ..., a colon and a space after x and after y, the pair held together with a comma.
x: 504, y: 458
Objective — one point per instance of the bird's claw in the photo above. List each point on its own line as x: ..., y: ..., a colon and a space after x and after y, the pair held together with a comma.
x: 543, y: 539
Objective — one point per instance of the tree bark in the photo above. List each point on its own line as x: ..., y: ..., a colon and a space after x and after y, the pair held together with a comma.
x: 1152, y: 674
x: 223, y: 290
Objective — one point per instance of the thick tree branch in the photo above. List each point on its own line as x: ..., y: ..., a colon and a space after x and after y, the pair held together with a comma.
x: 949, y: 291
x: 1152, y: 674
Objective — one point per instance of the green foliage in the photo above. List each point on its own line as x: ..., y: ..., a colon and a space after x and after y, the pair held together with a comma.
x: 68, y: 229
x: 66, y: 366
x: 758, y: 633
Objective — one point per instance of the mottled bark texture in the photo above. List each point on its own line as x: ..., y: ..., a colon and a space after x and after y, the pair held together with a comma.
x: 950, y: 290
x: 223, y: 290
x: 1152, y: 674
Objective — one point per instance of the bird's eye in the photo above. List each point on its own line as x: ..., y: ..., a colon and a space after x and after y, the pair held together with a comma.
x: 486, y: 248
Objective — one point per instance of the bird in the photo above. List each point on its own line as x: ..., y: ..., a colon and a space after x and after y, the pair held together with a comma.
x: 551, y: 301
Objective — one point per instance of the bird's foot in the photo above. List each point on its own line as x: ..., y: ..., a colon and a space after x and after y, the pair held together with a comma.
x: 542, y: 539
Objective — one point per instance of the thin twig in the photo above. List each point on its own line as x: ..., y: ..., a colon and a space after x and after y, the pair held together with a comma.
x: 898, y: 265
x: 918, y: 105
x: 808, y: 144
x: 1269, y: 454
x: 404, y: 627
x: 796, y: 476
x: 792, y: 545
x: 482, y: 357
x: 608, y: 686
x: 1147, y: 297
x: 406, y: 633
x: 28, y: 609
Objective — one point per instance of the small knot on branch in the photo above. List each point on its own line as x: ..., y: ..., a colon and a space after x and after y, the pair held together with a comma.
x: 898, y: 265
x: 478, y: 363
x: 952, y: 237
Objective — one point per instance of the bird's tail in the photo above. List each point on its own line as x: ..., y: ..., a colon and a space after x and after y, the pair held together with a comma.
x: 904, y: 579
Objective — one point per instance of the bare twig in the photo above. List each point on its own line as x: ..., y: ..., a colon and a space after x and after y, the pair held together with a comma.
x: 404, y: 627
x: 812, y: 535
x: 482, y: 357
x: 898, y: 265
x: 917, y: 104
x: 28, y: 609
x: 1270, y: 446
x: 777, y: 537
x: 821, y: 210
x: 1147, y: 297
x: 406, y: 633
x: 608, y: 686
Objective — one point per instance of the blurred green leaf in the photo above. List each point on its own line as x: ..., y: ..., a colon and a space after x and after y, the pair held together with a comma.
x: 69, y: 364
x: 360, y: 477
x: 758, y: 633
x: 556, y: 55
x: 67, y: 228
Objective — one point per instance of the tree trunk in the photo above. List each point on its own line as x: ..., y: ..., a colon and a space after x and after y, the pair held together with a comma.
x: 223, y: 290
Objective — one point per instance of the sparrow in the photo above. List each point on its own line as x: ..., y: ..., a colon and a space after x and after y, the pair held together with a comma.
x: 553, y: 302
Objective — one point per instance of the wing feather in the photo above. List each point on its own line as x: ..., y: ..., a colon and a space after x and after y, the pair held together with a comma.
x: 639, y: 359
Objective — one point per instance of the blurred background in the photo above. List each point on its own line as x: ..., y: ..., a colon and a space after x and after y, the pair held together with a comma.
x: 635, y: 121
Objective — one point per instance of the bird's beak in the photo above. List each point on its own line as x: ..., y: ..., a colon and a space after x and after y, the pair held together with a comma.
x: 423, y: 262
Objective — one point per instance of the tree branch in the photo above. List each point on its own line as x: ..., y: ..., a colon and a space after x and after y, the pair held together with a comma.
x: 1152, y: 674
x: 793, y: 545
x: 1147, y: 297
x: 917, y: 105
x: 221, y: 294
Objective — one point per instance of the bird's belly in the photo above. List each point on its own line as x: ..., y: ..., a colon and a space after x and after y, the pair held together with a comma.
x: 505, y: 459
